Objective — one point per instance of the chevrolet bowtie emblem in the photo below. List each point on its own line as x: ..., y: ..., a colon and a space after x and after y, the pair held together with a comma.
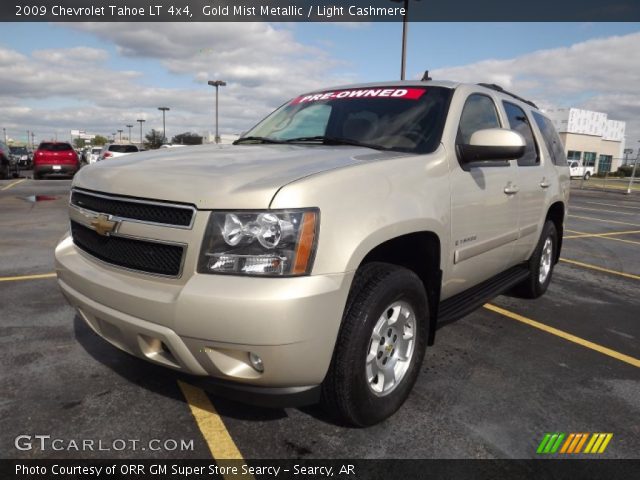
x: 103, y: 226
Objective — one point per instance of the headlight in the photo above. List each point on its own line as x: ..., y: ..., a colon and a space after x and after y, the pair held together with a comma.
x: 270, y: 242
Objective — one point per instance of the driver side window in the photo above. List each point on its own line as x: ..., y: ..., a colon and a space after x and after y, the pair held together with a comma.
x: 479, y: 112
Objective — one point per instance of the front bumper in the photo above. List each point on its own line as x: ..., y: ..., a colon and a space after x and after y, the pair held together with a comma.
x: 207, y: 324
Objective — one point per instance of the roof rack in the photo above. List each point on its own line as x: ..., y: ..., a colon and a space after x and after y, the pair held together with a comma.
x: 498, y: 88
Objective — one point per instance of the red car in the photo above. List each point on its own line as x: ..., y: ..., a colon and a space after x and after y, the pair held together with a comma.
x: 55, y: 158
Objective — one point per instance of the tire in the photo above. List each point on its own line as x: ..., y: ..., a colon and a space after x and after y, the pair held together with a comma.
x: 540, y: 264
x: 587, y: 175
x: 354, y: 390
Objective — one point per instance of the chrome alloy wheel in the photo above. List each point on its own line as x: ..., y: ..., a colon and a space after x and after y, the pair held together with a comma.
x: 546, y: 259
x: 391, y: 348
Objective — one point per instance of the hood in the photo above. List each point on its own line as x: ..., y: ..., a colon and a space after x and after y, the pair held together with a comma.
x: 219, y: 176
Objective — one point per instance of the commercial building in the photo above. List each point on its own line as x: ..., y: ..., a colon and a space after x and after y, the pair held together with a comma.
x: 590, y: 137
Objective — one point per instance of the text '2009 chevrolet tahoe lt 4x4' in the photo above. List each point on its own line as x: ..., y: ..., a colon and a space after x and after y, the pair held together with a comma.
x: 311, y: 260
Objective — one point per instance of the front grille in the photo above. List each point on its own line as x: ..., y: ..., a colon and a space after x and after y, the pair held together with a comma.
x: 142, y: 210
x: 142, y: 255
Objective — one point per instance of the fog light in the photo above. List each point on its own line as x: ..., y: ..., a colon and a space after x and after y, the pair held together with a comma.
x: 256, y: 362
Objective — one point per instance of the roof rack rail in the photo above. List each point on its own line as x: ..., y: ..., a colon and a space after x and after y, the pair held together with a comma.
x: 498, y: 88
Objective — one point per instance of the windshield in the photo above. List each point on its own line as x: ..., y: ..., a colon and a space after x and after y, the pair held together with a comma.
x: 407, y: 119
x: 19, y: 150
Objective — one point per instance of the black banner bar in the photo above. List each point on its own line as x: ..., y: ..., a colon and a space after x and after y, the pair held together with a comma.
x: 557, y: 469
x: 316, y: 10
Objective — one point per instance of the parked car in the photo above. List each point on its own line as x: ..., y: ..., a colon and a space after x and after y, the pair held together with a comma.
x: 576, y: 169
x: 93, y: 154
x: 313, y: 259
x: 21, y: 157
x: 113, y: 150
x: 55, y: 158
x: 5, y: 161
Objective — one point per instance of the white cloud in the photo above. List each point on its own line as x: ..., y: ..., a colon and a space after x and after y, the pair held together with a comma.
x: 600, y: 74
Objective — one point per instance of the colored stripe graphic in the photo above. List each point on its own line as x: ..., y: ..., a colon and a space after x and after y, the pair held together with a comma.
x: 551, y: 443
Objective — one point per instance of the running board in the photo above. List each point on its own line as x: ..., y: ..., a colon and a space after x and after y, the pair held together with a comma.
x: 464, y: 303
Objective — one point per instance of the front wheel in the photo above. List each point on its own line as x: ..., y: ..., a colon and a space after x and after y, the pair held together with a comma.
x: 540, y: 264
x: 380, y: 346
x: 587, y: 175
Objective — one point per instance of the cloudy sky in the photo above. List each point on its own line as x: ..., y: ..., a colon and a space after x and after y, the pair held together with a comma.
x: 100, y: 77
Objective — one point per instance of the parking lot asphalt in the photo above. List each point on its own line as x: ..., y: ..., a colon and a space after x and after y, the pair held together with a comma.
x: 491, y: 386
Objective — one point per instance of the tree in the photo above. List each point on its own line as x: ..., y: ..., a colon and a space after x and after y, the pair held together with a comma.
x: 153, y: 140
x: 79, y: 142
x: 187, y: 138
x: 99, y: 140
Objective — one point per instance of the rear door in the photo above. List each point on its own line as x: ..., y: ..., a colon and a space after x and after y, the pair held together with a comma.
x: 533, y: 181
x: 484, y: 205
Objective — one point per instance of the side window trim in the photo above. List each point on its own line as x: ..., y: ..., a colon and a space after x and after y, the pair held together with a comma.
x: 528, y: 122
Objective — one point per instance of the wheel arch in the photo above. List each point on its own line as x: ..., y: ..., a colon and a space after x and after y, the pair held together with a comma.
x: 556, y: 214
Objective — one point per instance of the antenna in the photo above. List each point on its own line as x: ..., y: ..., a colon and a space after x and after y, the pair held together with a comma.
x: 426, y: 77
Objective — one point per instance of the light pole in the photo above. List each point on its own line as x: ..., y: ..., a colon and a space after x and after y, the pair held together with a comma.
x: 140, y: 121
x: 217, y: 83
x: 33, y: 140
x: 129, y: 127
x: 113, y: 136
x: 120, y: 132
x: 633, y: 172
x: 164, y: 128
x: 28, y: 136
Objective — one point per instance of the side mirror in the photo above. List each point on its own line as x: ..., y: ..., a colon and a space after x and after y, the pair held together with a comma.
x: 493, y: 144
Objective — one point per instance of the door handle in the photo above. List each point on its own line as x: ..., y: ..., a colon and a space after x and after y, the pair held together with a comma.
x: 544, y: 183
x: 511, y: 189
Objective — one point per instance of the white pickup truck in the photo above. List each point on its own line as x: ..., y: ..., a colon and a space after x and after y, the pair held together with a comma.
x: 576, y: 169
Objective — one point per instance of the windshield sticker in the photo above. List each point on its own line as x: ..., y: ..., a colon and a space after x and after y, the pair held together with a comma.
x: 406, y: 93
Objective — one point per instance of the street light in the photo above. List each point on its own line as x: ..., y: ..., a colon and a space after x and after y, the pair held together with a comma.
x: 405, y: 29
x: 129, y: 127
x: 217, y: 83
x: 140, y: 121
x: 164, y: 129
x: 4, y: 131
x: 120, y: 132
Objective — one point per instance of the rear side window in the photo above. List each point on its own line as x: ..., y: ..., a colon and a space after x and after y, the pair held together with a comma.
x: 123, y: 148
x: 479, y: 112
x: 519, y: 122
x: 55, y: 147
x: 551, y: 139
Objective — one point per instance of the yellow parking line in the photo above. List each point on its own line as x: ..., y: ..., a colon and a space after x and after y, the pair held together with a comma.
x: 7, y: 187
x: 617, y: 212
x: 586, y: 235
x: 604, y: 220
x: 612, y: 205
x: 567, y: 336
x: 27, y: 277
x: 600, y: 269
x: 218, y: 440
x: 604, y: 236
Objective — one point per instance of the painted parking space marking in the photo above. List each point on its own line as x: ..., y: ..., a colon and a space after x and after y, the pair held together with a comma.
x: 20, y: 278
x: 7, y: 187
x: 213, y: 429
x: 603, y: 210
x: 601, y: 269
x: 612, y: 205
x: 565, y: 335
x: 587, y: 235
x: 605, y: 236
x: 604, y: 220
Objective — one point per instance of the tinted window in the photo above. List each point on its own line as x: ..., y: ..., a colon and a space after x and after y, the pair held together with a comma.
x: 18, y: 150
x: 551, y: 139
x: 123, y: 148
x: 589, y: 159
x: 519, y: 122
x: 408, y: 119
x: 55, y: 147
x: 574, y: 155
x: 479, y: 112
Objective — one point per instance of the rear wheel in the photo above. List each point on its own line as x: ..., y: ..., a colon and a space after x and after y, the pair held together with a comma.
x: 380, y: 346
x: 540, y: 264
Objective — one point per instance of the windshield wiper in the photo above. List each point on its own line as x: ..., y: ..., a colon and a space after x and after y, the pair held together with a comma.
x: 335, y: 141
x: 257, y: 139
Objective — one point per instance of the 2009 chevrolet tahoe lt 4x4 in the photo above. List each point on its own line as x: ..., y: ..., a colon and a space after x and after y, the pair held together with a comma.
x: 312, y: 259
